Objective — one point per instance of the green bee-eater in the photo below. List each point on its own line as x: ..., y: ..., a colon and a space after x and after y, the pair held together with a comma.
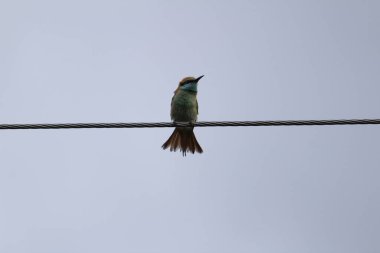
x: 184, y: 108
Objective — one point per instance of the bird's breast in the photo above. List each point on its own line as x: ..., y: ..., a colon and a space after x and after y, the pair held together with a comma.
x: 184, y: 107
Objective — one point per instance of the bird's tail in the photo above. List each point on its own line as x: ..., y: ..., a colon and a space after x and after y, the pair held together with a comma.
x: 184, y: 139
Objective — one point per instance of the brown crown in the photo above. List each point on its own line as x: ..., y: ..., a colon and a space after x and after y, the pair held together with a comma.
x: 186, y: 80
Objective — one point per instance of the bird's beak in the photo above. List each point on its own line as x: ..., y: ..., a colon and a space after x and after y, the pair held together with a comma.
x: 199, y: 78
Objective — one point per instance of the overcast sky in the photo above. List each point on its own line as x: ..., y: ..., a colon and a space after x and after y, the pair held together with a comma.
x: 254, y: 189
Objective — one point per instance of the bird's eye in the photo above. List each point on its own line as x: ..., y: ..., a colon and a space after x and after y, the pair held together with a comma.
x: 186, y: 82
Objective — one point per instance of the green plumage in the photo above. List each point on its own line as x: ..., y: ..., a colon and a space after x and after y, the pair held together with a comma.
x: 184, y: 108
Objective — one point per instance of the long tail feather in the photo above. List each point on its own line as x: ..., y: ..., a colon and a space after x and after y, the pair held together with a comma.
x: 198, y: 147
x: 184, y: 139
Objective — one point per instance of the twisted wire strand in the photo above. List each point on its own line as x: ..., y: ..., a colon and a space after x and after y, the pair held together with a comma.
x: 197, y: 124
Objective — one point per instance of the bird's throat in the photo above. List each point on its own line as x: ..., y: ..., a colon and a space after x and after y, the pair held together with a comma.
x: 190, y: 87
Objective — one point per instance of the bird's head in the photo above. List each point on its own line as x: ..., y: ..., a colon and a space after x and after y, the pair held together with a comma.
x: 189, y: 83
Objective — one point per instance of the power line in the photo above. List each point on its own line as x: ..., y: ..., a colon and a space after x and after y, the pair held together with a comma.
x: 197, y: 124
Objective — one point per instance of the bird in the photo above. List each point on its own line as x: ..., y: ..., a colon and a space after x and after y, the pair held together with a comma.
x: 184, y: 108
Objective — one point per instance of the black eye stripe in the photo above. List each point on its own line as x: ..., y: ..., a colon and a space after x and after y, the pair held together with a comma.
x: 186, y: 82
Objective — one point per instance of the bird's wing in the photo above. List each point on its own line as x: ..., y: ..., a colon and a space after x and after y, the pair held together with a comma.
x: 197, y: 106
x: 171, y: 105
x: 175, y: 92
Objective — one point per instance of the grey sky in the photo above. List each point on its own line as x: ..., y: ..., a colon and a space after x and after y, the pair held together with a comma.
x: 282, y: 189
